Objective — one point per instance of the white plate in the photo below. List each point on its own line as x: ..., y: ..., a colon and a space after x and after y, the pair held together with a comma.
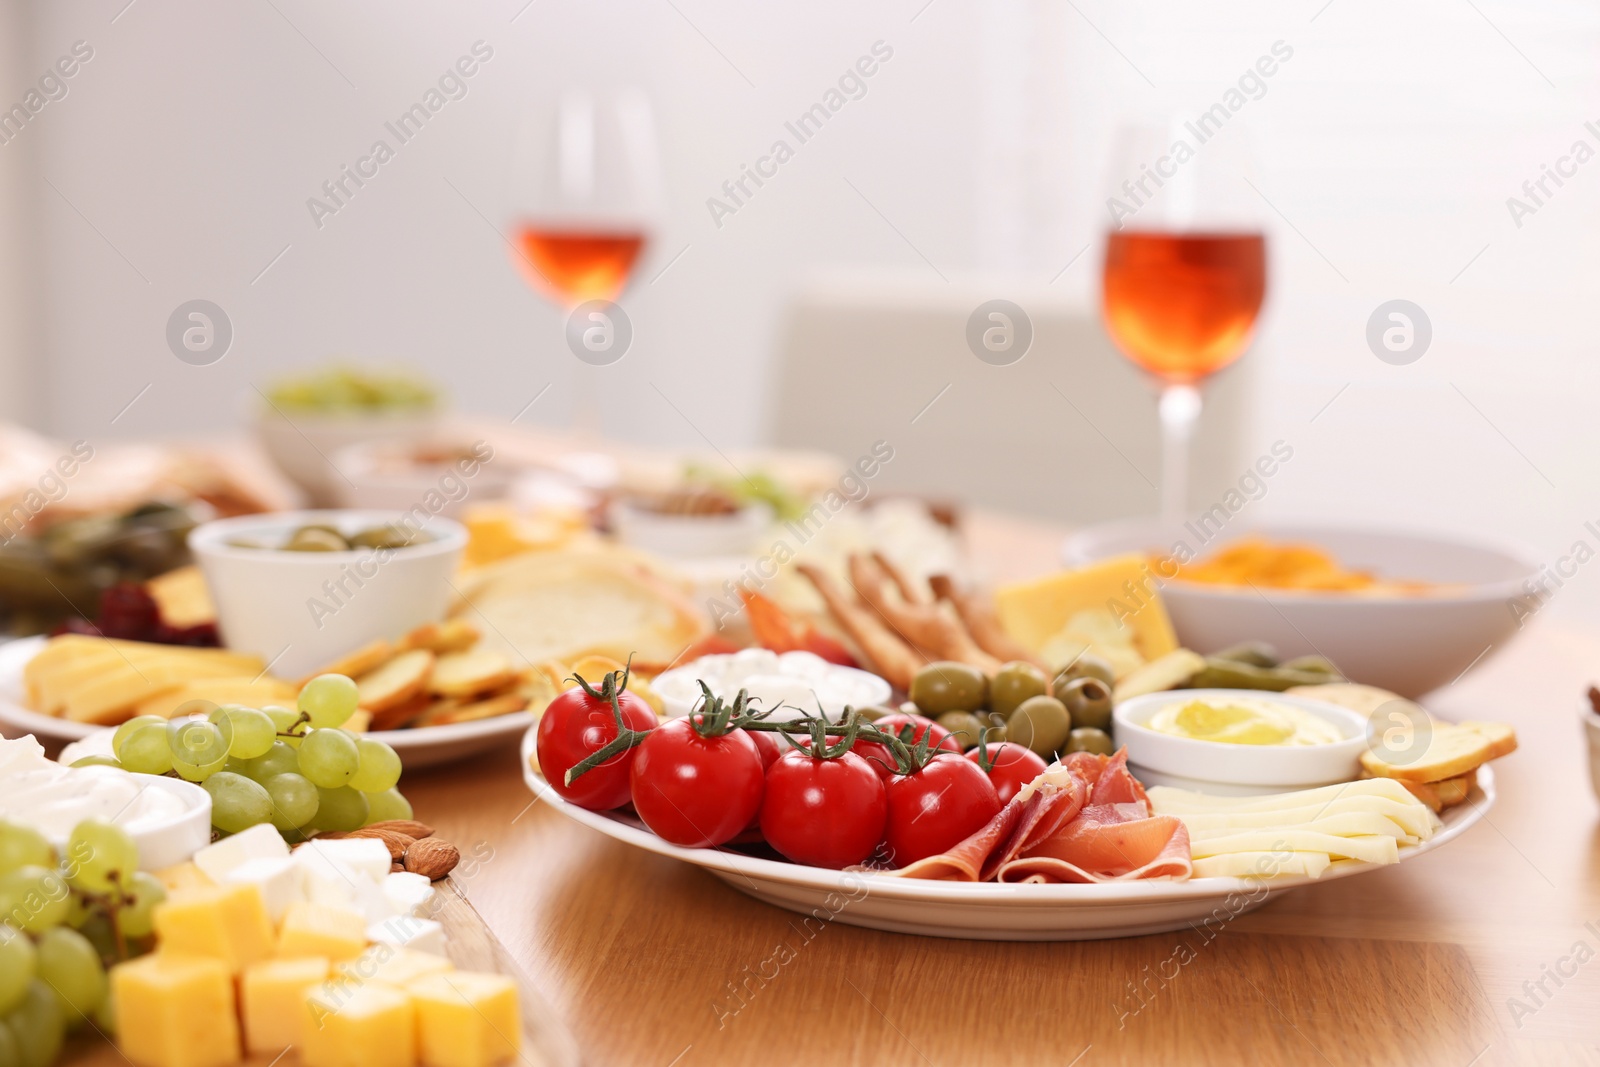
x: 426, y: 746
x: 988, y: 911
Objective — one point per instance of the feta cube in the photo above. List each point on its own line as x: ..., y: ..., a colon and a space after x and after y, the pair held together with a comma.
x: 281, y: 881
x: 407, y: 893
x: 331, y: 881
x: 403, y: 931
x: 365, y: 855
x: 259, y: 842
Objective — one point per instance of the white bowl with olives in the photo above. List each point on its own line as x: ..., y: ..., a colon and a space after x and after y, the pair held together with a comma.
x: 302, y: 588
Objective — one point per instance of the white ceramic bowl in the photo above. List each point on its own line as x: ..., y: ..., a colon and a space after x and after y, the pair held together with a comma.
x: 1408, y: 644
x: 1237, y: 770
x: 167, y: 843
x: 385, y: 475
x: 301, y: 610
x: 691, y: 536
x: 303, y: 445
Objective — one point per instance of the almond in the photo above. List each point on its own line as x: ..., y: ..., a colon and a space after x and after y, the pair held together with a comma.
x: 393, y: 840
x: 432, y: 857
x: 409, y: 827
x: 396, y: 867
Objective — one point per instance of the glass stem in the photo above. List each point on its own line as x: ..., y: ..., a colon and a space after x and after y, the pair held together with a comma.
x: 1179, y: 409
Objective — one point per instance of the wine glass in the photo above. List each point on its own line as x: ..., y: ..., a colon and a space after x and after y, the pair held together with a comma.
x: 584, y: 198
x: 1185, y: 270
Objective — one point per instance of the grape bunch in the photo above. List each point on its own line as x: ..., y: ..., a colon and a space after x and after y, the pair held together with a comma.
x: 63, y: 921
x: 293, y: 768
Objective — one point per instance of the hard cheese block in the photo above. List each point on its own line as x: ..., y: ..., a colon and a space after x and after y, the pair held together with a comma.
x: 322, y: 930
x: 175, y: 1010
x: 272, y: 996
x: 228, y: 923
x: 1122, y: 588
x: 348, y: 1024
x: 467, y: 1020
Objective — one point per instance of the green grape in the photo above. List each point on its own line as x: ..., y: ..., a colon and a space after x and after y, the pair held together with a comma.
x: 105, y: 1016
x: 10, y: 1051
x: 294, y: 800
x: 329, y: 758
x: 135, y: 919
x: 95, y: 761
x: 78, y: 910
x: 389, y: 804
x: 103, y: 854
x: 147, y: 749
x: 251, y: 733
x: 17, y: 960
x: 279, y: 759
x: 34, y: 898
x: 100, y: 934
x: 287, y: 723
x: 340, y: 809
x: 199, y: 749
x: 128, y: 727
x: 377, y: 766
x: 38, y: 1026
x: 70, y: 966
x: 330, y: 700
x: 194, y: 709
x: 23, y: 846
x: 237, y: 803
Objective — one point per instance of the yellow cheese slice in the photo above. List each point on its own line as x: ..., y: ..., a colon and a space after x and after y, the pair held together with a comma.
x: 1122, y: 588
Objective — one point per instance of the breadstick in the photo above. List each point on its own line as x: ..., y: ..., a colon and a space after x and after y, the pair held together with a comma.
x: 978, y: 615
x: 908, y: 589
x: 891, y: 657
x: 931, y: 631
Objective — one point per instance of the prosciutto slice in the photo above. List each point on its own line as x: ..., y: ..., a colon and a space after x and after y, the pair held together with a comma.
x: 1085, y: 819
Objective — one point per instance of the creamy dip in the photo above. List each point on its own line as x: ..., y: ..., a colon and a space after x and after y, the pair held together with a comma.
x: 38, y: 792
x: 1244, y: 721
x: 799, y: 681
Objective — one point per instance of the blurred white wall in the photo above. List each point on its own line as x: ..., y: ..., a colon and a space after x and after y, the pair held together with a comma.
x: 179, y: 164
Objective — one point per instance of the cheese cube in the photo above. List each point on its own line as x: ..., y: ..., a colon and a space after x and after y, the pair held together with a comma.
x: 175, y: 1010
x: 365, y: 855
x: 319, y: 930
x: 184, y: 876
x: 407, y: 893
x: 225, y: 922
x: 260, y: 842
x: 281, y: 882
x: 392, y: 966
x: 330, y: 880
x: 272, y: 997
x: 466, y: 1019
x: 402, y: 931
x: 350, y: 1024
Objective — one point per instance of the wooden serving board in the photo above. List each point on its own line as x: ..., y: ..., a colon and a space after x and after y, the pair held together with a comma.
x: 472, y: 946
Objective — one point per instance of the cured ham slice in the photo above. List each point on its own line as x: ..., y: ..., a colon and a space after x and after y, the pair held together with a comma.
x: 1085, y: 819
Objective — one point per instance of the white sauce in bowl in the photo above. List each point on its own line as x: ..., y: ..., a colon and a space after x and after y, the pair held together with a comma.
x: 798, y: 681
x: 38, y: 792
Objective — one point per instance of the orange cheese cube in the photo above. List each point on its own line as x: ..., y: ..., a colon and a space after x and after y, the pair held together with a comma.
x: 321, y: 930
x: 175, y: 1010
x: 228, y: 923
x: 392, y: 966
x: 271, y: 998
x: 467, y: 1019
x: 345, y: 1023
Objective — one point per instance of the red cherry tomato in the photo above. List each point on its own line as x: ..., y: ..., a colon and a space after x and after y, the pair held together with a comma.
x: 882, y: 760
x: 823, y: 812
x: 696, y: 791
x: 936, y: 808
x: 769, y: 746
x: 577, y: 725
x: 1010, y: 767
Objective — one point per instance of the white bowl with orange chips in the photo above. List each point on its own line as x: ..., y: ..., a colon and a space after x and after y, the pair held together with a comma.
x: 1415, y: 610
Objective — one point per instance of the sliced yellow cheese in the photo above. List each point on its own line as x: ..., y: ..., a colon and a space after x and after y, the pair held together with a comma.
x: 175, y: 1010
x: 254, y: 692
x: 1123, y: 589
x: 272, y: 996
x: 467, y: 1019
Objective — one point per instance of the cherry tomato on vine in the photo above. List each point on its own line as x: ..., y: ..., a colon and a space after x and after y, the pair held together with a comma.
x: 1010, y: 767
x: 936, y: 808
x: 696, y: 791
x: 769, y: 746
x: 823, y: 812
x: 579, y: 723
x: 882, y: 760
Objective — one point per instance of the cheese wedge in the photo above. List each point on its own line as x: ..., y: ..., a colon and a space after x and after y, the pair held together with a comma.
x: 1123, y: 588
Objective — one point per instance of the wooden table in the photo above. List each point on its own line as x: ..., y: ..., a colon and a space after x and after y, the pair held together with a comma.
x: 1424, y: 963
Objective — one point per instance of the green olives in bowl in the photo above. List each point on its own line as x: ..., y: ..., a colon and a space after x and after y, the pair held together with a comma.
x: 949, y: 686
x: 1089, y: 739
x: 1014, y: 683
x: 1087, y: 665
x: 1089, y: 702
x: 1040, y: 724
x: 965, y: 726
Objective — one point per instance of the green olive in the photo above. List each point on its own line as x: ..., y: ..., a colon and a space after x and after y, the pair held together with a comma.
x: 1041, y: 724
x: 1014, y: 683
x: 315, y: 539
x: 873, y: 714
x: 1088, y: 739
x: 1087, y: 665
x: 390, y: 536
x: 948, y: 686
x: 1088, y: 700
x: 964, y: 726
